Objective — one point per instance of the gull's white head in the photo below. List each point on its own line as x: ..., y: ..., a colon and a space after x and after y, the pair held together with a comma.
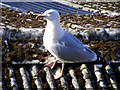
x: 51, y: 15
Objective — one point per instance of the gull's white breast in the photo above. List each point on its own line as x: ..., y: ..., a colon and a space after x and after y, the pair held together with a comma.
x: 52, y: 35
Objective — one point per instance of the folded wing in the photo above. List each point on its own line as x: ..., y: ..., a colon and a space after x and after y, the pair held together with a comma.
x: 69, y: 48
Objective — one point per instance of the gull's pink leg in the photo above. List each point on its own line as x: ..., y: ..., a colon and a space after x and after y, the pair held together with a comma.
x: 63, y: 64
x: 51, y: 63
x: 59, y: 73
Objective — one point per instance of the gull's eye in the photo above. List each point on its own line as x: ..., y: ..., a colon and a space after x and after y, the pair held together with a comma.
x: 50, y: 13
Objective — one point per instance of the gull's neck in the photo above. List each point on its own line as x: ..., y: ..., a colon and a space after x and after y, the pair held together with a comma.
x: 53, y: 30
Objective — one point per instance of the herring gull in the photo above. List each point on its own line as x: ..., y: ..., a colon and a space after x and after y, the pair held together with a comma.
x: 63, y: 45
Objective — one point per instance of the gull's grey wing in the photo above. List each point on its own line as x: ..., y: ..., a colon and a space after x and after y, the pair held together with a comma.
x: 69, y: 48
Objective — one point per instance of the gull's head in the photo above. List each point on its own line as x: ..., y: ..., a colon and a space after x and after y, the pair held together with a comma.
x: 51, y: 15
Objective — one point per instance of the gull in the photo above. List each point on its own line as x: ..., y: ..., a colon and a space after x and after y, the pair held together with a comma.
x: 63, y: 45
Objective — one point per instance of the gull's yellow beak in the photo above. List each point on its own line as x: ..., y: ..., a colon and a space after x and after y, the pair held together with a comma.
x: 40, y: 16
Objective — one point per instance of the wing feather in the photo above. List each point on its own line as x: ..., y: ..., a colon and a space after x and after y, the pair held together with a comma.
x: 69, y: 48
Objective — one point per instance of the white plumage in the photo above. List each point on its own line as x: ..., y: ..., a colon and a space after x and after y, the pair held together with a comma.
x: 63, y: 45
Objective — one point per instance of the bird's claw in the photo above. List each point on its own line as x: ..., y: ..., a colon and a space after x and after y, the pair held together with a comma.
x: 57, y: 73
